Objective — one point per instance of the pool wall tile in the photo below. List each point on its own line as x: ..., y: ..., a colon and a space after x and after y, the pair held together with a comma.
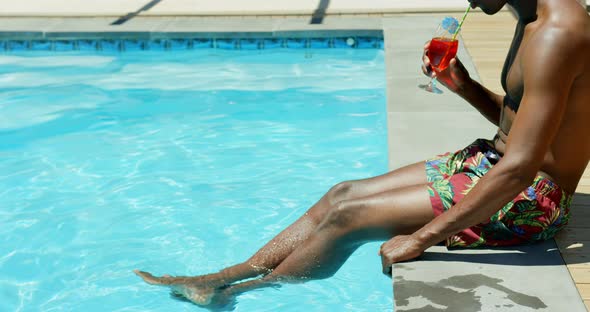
x: 320, y: 43
x: 367, y: 43
x: 63, y: 45
x: 227, y: 44
x: 87, y: 45
x: 41, y: 45
x: 133, y: 45
x: 108, y: 45
x: 17, y: 45
x: 158, y: 45
x: 272, y: 43
x: 202, y: 43
x: 178, y: 44
x: 161, y: 44
x: 296, y: 43
x: 344, y: 43
x: 251, y: 44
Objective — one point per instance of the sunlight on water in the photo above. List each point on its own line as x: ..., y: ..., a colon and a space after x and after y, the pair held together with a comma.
x: 179, y: 163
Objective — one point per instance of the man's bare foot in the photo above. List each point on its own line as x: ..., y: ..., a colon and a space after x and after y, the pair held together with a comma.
x: 192, y: 288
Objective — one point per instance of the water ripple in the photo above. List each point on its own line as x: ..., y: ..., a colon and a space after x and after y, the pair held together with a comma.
x: 178, y: 164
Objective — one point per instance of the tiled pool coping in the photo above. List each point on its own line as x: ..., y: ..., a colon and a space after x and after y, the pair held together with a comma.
x: 151, y: 28
x: 169, y: 33
x: 121, y: 45
x: 79, y: 35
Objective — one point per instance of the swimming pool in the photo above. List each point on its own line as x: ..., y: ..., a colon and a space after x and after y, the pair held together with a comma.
x: 178, y: 162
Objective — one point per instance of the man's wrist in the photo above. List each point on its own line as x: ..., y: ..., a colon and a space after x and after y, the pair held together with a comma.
x: 468, y: 89
x: 425, y: 238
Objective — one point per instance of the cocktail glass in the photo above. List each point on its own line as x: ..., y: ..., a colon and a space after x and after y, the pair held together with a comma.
x: 443, y: 48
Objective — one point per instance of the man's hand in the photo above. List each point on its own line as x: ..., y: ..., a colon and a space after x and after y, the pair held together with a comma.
x: 455, y: 77
x: 398, y: 249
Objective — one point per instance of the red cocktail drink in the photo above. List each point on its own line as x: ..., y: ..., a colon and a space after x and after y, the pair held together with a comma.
x: 441, y: 51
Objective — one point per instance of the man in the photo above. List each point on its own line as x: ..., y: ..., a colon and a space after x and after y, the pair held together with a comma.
x: 513, y: 189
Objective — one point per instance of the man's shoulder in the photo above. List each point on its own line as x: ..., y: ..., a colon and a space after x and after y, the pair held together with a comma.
x: 569, y: 30
x: 570, y: 40
x: 556, y: 51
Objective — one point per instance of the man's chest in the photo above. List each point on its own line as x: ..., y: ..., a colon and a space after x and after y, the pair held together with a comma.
x: 512, y: 75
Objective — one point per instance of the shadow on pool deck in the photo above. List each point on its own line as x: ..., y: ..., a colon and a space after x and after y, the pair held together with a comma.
x: 571, y: 241
x: 520, y: 278
x: 529, y: 255
x: 124, y: 19
x: 320, y: 13
x: 460, y: 293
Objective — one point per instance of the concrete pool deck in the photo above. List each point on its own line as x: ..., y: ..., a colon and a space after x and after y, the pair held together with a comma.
x: 63, y: 8
x: 86, y: 8
x: 527, y: 278
x: 515, y: 279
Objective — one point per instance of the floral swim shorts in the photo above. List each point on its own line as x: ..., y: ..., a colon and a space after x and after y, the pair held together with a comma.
x: 536, y: 214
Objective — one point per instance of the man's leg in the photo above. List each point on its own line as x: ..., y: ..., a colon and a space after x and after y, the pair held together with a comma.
x: 343, y: 229
x: 276, y: 250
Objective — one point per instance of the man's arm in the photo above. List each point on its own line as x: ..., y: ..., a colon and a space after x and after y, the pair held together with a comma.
x: 488, y: 103
x: 456, y: 78
x: 549, y: 69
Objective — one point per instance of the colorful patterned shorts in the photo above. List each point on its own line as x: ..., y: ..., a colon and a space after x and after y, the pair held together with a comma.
x: 536, y: 214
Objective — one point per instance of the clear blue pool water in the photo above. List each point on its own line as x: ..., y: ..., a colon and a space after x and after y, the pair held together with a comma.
x: 182, y: 163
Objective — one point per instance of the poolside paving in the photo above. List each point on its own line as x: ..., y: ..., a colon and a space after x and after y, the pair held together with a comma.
x: 216, y: 8
x: 69, y: 7
x: 421, y: 125
x: 574, y: 241
x: 193, y: 27
x: 526, y: 278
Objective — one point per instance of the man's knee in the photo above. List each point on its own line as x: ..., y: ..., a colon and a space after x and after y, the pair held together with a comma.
x: 343, y: 215
x: 340, y: 192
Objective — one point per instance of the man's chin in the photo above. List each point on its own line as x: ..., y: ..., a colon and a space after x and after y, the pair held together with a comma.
x: 490, y: 12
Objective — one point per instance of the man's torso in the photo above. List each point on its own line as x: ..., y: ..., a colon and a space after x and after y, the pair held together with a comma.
x: 570, y: 151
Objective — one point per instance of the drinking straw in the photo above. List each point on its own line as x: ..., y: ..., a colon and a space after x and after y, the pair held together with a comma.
x: 463, y: 20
